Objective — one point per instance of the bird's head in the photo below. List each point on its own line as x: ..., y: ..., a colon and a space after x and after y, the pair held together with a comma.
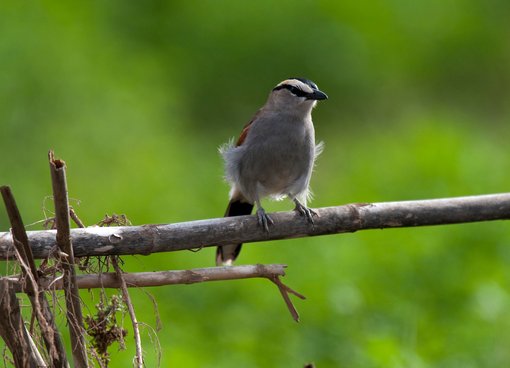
x: 296, y: 94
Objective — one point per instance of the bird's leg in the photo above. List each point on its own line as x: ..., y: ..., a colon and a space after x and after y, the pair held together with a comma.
x: 304, y: 211
x: 263, y: 218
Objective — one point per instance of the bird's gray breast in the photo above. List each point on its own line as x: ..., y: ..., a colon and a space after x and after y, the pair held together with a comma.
x: 278, y: 154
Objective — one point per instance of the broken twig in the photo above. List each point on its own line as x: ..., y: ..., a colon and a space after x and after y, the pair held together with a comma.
x: 285, y: 290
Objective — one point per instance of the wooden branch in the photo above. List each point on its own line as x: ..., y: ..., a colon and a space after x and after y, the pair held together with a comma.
x: 19, y: 234
x: 147, y: 239
x: 13, y: 331
x: 160, y: 278
x: 40, y: 305
x: 131, y: 310
x: 63, y: 239
x: 271, y: 272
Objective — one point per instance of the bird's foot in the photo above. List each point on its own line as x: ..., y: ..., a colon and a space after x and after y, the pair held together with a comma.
x: 264, y: 219
x: 305, y: 211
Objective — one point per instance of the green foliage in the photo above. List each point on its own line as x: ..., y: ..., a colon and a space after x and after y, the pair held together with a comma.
x: 137, y: 96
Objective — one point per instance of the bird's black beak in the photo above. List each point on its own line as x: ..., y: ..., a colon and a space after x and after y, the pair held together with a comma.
x: 317, y: 95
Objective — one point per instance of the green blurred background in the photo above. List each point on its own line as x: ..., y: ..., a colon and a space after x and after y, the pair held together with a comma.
x: 136, y: 97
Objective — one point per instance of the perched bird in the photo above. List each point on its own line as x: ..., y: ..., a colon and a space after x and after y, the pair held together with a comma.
x: 274, y: 156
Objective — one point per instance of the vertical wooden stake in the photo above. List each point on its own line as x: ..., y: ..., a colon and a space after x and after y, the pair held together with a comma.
x: 72, y: 296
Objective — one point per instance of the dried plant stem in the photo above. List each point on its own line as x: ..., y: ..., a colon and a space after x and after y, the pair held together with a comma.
x: 75, y: 218
x: 33, y: 347
x: 131, y: 311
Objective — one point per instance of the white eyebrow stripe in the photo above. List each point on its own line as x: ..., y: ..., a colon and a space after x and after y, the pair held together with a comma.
x: 297, y: 83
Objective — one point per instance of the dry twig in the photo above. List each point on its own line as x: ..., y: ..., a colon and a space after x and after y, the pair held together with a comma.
x: 285, y: 290
x: 131, y: 311
x: 75, y: 218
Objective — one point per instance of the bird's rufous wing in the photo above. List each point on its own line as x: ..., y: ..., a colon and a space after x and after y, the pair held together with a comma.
x: 246, y: 129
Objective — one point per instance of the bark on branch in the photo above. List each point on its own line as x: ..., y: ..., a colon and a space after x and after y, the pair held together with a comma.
x: 272, y: 272
x: 147, y: 239
x: 160, y: 278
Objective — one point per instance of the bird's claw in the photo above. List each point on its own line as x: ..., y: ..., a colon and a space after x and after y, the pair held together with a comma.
x: 264, y: 219
x: 306, y: 212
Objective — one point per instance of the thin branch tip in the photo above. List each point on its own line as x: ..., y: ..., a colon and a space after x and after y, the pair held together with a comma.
x: 284, y: 291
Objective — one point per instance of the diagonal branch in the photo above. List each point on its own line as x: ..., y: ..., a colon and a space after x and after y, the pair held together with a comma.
x: 18, y: 229
x: 40, y: 304
x: 147, y: 239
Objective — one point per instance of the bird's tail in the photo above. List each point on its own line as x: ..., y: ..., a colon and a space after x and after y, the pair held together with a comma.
x: 227, y: 254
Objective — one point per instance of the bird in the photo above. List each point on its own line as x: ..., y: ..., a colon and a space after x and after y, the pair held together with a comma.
x: 273, y: 157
